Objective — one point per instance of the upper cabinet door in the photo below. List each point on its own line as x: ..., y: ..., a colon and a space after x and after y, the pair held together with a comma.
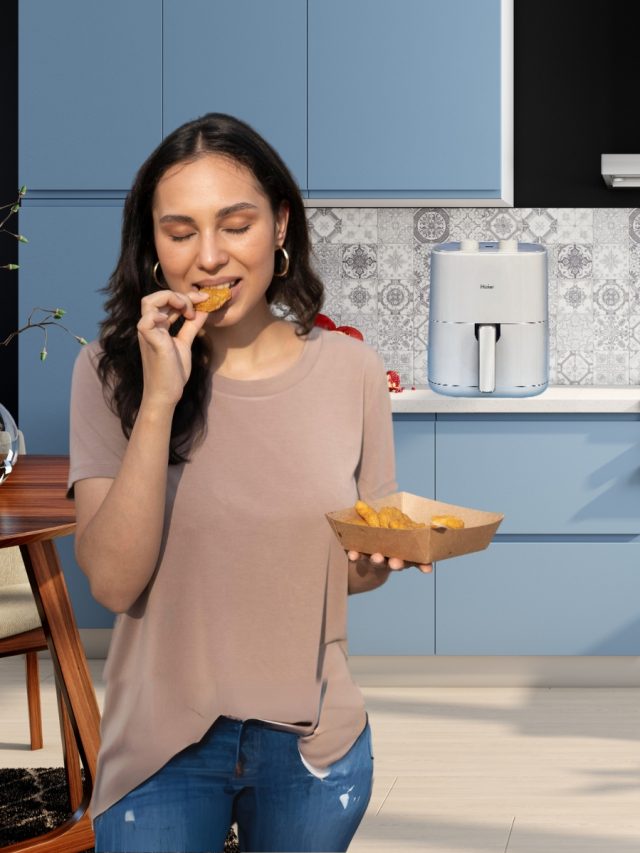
x: 247, y: 58
x: 407, y: 98
x: 90, y: 92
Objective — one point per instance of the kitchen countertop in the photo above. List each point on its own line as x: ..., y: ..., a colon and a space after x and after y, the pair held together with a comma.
x: 556, y: 399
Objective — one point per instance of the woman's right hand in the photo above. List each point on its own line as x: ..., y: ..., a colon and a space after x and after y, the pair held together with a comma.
x: 166, y: 359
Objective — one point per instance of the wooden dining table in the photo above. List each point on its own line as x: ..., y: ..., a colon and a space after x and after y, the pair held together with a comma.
x: 34, y: 511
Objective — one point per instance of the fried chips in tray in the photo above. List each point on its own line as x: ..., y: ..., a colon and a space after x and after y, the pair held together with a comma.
x: 423, y: 543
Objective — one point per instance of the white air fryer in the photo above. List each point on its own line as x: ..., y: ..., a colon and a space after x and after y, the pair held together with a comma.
x: 488, y: 319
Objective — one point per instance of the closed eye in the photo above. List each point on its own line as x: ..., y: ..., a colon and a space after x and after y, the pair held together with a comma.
x: 229, y: 230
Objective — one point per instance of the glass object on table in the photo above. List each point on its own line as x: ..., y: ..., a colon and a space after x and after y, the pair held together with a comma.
x: 9, y: 443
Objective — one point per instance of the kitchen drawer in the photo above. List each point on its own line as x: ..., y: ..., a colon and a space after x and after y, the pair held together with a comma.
x: 541, y: 598
x: 564, y: 474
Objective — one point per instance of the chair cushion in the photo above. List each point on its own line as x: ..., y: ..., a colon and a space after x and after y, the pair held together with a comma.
x: 18, y: 611
x: 12, y: 568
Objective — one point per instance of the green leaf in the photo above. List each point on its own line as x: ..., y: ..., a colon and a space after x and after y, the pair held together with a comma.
x: 23, y: 190
x: 22, y: 238
x: 80, y: 340
x: 15, y: 208
x: 10, y: 267
x: 59, y: 313
x: 43, y: 354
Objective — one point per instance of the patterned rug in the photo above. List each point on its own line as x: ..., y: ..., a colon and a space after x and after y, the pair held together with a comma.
x: 35, y: 800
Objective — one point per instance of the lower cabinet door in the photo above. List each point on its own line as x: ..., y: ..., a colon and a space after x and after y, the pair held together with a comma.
x: 541, y: 598
x: 396, y: 618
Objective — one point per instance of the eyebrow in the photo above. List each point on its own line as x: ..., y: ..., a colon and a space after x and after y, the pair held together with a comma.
x: 221, y: 214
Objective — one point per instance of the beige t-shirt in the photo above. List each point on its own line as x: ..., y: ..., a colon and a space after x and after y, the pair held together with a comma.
x: 246, y: 613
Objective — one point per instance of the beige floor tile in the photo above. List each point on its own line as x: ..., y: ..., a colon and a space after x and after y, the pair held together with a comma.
x: 402, y: 831
x: 572, y: 834
x: 457, y: 770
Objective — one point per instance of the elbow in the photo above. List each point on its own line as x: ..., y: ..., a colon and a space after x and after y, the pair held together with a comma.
x: 105, y: 597
x: 102, y: 591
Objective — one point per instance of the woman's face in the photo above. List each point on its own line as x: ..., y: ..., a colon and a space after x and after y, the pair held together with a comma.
x: 214, y: 225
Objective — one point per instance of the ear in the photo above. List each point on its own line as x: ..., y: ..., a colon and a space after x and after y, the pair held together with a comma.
x: 282, y: 220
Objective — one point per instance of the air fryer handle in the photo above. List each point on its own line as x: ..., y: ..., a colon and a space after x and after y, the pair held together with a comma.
x: 487, y: 357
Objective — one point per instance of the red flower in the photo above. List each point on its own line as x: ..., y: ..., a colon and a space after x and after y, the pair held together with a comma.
x: 324, y: 322
x: 393, y: 381
x: 351, y: 331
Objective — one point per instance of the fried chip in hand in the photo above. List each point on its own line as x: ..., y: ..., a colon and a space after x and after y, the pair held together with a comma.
x: 218, y: 296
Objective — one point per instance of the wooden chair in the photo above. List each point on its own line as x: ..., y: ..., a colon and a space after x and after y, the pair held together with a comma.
x: 21, y: 631
x: 20, y: 627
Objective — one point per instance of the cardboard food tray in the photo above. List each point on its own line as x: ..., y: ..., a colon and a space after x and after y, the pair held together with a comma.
x: 424, y: 545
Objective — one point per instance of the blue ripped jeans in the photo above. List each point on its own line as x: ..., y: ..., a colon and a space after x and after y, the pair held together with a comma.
x: 244, y: 772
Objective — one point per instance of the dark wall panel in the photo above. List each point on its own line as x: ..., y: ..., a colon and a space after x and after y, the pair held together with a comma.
x: 576, y: 85
x: 8, y: 192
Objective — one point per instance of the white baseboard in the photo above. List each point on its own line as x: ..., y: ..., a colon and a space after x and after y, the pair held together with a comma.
x: 495, y: 671
x: 463, y: 671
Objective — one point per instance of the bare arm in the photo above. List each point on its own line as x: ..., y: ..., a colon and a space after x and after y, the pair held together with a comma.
x: 120, y: 521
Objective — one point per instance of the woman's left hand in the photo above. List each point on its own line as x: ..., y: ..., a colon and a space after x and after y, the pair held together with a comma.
x: 393, y: 563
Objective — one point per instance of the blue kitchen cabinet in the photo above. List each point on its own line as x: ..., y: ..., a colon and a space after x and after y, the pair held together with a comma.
x: 243, y: 57
x: 555, y: 474
x: 77, y: 249
x: 405, y: 98
x: 90, y: 92
x: 398, y: 617
x: 561, y: 576
x: 541, y: 598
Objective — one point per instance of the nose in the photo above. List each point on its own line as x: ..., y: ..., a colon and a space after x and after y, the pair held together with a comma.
x: 212, y: 253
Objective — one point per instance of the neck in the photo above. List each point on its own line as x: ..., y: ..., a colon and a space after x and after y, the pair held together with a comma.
x: 254, y: 348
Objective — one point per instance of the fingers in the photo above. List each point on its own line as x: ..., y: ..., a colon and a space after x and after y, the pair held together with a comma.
x: 160, y: 310
x: 190, y: 328
x: 394, y: 563
x: 354, y: 556
x: 172, y: 304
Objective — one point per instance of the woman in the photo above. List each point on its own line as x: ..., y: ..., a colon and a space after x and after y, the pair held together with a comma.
x: 205, y: 450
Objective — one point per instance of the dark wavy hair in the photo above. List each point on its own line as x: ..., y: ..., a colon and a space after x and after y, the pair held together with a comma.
x: 300, y: 293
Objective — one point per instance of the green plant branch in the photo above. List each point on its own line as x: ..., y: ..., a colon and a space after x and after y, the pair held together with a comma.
x: 51, y: 319
x: 52, y: 315
x: 15, y: 206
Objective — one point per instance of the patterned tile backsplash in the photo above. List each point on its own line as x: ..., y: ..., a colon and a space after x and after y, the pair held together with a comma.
x: 375, y: 265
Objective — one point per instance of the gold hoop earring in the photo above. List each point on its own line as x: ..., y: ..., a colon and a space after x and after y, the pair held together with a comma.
x: 285, y: 267
x: 155, y: 274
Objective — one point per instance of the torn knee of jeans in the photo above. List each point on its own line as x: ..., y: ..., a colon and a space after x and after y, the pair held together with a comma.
x: 344, y: 798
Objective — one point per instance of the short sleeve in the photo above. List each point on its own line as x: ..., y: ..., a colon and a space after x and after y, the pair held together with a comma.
x: 96, y: 441
x: 376, y: 475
